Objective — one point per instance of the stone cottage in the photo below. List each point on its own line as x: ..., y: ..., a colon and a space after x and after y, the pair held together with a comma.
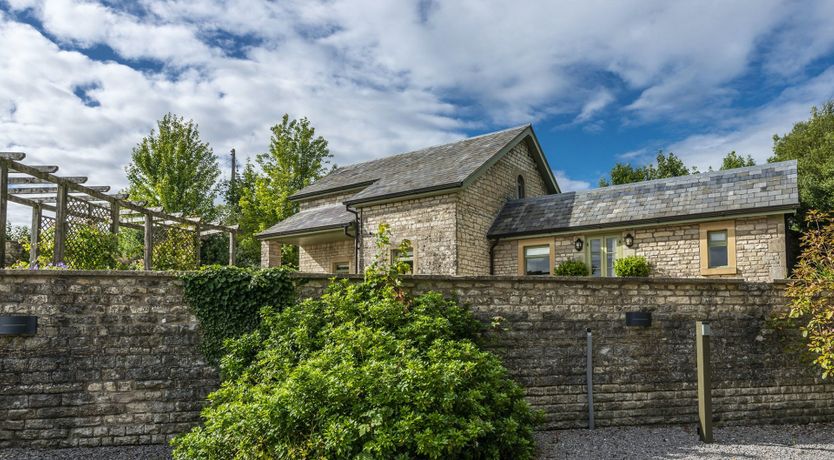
x: 491, y: 205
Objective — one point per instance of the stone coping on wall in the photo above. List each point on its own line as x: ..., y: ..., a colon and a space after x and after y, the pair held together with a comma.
x: 478, y: 278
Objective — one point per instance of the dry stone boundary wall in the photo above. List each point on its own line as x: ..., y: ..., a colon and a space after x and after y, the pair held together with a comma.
x: 116, y: 359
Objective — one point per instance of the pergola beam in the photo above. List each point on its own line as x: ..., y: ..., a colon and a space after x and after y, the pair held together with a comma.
x: 19, y: 180
x: 14, y: 156
x: 45, y: 190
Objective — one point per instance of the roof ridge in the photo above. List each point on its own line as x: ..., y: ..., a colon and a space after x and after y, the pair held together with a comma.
x: 395, y: 155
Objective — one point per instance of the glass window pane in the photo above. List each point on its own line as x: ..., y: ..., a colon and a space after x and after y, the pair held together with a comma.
x: 532, y: 251
x: 596, y: 256
x: 537, y: 265
x: 610, y: 254
x: 718, y: 238
x: 341, y: 268
x: 718, y: 256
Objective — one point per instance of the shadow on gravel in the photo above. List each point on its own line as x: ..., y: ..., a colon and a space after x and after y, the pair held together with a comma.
x: 90, y: 453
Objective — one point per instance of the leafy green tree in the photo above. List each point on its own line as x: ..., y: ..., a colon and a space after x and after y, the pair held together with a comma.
x: 173, y: 169
x: 811, y: 143
x: 734, y: 160
x: 295, y: 159
x: 668, y: 165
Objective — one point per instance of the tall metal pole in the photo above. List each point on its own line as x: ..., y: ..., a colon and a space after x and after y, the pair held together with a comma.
x: 589, y: 376
x: 702, y: 353
x: 4, y: 206
x: 233, y: 175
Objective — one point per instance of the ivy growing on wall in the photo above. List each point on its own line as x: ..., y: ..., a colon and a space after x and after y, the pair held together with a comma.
x: 227, y: 301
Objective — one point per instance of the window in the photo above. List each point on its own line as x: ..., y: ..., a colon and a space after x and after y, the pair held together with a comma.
x: 602, y: 252
x: 537, y: 260
x: 341, y: 268
x: 718, y: 248
x: 405, y: 255
x: 519, y: 184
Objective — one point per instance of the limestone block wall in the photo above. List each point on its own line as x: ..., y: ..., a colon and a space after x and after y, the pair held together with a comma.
x: 673, y: 250
x: 326, y: 199
x: 642, y: 376
x: 320, y: 257
x: 430, y: 224
x: 115, y: 360
x: 480, y: 202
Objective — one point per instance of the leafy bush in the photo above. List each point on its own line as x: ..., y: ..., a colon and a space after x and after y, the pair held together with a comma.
x: 811, y: 291
x: 90, y: 248
x: 632, y: 266
x: 227, y: 301
x: 366, y: 371
x: 572, y: 267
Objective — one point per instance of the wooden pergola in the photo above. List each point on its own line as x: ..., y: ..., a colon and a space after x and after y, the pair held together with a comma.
x: 70, y: 201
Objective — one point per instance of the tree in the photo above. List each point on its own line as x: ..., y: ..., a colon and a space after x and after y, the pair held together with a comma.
x: 811, y: 297
x: 734, y: 160
x: 295, y: 159
x: 668, y: 165
x: 811, y: 143
x: 173, y: 169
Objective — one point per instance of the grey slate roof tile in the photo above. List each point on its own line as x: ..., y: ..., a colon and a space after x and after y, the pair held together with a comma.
x: 735, y: 191
x: 319, y: 218
x: 433, y: 167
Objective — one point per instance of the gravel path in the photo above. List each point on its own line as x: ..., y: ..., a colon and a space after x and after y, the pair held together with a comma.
x: 90, y: 453
x: 676, y: 442
x: 681, y: 442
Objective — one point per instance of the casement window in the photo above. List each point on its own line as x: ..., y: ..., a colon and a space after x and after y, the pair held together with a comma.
x: 535, y: 257
x: 341, y: 268
x: 718, y: 248
x: 521, y: 192
x: 601, y: 253
x: 404, y: 255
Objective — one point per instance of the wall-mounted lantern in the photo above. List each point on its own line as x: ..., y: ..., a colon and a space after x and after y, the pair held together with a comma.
x: 578, y: 244
x: 629, y: 240
x: 18, y: 325
x: 638, y: 318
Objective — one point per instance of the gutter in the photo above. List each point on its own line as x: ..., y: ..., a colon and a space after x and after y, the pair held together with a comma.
x: 356, y: 237
x: 434, y: 188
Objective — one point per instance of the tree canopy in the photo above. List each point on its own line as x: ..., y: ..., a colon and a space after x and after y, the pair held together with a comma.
x: 668, y: 165
x: 734, y: 160
x: 811, y: 143
x: 175, y: 170
x: 296, y: 158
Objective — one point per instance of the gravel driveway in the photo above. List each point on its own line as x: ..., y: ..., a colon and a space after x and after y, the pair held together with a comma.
x: 681, y: 442
x: 677, y: 442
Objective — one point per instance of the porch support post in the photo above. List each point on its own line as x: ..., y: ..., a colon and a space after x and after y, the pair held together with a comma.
x: 232, y: 248
x: 4, y: 205
x: 60, y: 224
x: 148, y: 241
x: 35, y: 235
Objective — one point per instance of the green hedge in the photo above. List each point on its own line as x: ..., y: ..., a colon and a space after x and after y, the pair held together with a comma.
x: 227, y: 301
x: 632, y: 266
x: 572, y: 267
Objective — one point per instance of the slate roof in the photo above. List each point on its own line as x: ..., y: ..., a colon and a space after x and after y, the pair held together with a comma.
x: 311, y: 220
x: 433, y: 168
x: 759, y: 188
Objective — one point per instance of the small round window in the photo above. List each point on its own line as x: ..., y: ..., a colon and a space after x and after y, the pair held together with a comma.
x: 520, y: 192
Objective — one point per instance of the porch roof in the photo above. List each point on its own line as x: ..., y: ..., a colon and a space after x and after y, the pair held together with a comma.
x: 312, y: 220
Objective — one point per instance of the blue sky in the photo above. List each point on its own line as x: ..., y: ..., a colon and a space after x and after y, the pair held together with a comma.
x: 601, y: 81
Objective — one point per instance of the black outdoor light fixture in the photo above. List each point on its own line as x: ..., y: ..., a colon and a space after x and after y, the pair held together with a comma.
x: 629, y: 240
x: 18, y: 325
x: 578, y: 244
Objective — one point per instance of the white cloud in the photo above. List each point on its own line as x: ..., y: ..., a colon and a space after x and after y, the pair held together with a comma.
x: 380, y: 77
x: 566, y: 184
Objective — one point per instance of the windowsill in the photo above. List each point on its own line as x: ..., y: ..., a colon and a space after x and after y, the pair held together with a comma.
x: 719, y: 271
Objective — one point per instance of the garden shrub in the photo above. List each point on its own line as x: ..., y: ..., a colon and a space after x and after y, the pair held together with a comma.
x: 227, y: 301
x: 572, y: 267
x: 365, y: 371
x: 812, y: 291
x: 632, y: 266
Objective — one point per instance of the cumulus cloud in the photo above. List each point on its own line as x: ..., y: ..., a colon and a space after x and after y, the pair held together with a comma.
x: 83, y: 81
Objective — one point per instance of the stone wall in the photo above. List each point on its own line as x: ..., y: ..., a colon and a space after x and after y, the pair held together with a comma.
x: 324, y: 200
x: 673, y: 250
x: 115, y: 360
x: 641, y: 375
x: 480, y: 202
x: 429, y: 223
x: 320, y: 257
